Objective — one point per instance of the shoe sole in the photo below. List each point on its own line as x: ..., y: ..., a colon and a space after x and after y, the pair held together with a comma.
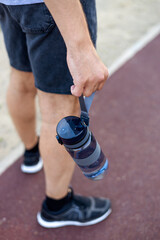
x: 57, y: 224
x: 32, y: 169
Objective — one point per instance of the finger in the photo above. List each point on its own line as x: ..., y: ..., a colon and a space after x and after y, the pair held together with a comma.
x: 100, y: 86
x: 77, y: 90
x: 88, y: 91
x: 95, y: 88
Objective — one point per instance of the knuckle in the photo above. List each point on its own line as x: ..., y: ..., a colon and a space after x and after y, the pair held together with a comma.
x: 101, y: 77
x: 88, y: 81
x: 106, y: 74
x: 79, y: 80
x: 82, y: 82
x: 92, y: 78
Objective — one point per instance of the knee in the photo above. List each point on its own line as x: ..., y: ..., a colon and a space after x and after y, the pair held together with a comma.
x: 54, y: 107
x: 22, y: 82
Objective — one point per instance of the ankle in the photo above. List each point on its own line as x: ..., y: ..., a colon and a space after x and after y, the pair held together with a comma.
x: 57, y: 205
x: 33, y: 145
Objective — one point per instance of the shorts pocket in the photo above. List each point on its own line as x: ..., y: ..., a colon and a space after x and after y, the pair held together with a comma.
x: 33, y: 18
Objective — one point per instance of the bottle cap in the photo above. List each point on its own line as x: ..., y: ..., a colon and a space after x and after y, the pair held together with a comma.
x: 71, y: 130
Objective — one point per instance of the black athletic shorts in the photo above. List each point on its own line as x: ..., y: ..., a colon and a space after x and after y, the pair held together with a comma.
x: 34, y: 43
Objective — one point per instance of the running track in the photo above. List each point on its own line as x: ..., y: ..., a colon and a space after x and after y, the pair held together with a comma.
x: 126, y: 121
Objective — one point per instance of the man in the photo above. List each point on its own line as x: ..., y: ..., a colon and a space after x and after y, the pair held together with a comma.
x: 53, y: 49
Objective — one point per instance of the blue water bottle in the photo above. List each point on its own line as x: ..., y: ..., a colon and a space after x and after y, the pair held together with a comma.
x: 73, y: 132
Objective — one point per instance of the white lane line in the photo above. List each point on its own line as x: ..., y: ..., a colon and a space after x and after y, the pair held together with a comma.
x: 127, y: 55
x: 140, y: 44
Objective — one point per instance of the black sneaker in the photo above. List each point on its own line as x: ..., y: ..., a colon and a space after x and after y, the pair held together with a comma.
x: 81, y: 211
x: 32, y: 162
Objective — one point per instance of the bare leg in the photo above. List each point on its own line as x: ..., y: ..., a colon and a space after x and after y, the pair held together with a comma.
x: 58, y: 164
x: 21, y: 103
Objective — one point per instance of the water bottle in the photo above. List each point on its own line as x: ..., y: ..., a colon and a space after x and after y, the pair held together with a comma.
x: 73, y: 132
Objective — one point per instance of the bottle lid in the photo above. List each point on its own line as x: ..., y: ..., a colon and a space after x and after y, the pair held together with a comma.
x: 71, y: 130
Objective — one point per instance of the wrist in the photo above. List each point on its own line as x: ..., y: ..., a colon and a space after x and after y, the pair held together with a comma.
x: 78, y: 45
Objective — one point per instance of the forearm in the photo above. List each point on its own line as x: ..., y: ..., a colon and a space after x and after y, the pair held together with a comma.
x: 88, y: 71
x: 70, y: 19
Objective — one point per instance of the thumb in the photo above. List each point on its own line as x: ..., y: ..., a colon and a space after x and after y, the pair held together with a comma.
x: 76, y: 90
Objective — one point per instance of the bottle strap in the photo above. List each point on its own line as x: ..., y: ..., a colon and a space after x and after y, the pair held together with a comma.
x: 85, y: 104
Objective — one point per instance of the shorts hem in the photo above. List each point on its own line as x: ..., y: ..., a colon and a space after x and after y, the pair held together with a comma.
x: 54, y: 90
x: 21, y: 69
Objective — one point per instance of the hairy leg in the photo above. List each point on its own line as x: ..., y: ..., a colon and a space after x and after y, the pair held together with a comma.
x: 58, y: 165
x: 21, y: 104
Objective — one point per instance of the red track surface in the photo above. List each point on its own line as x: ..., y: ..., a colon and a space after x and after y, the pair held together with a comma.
x: 126, y: 121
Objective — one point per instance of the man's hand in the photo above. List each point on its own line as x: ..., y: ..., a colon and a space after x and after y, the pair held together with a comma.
x: 88, y: 71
